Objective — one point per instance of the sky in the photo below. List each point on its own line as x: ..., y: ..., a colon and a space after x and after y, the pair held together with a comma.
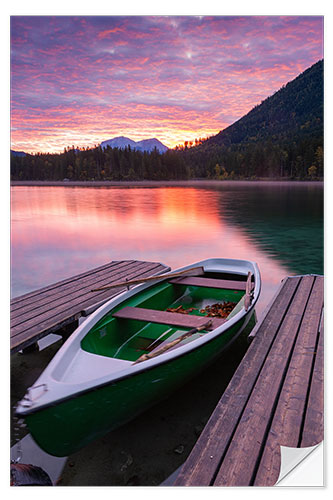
x: 77, y: 81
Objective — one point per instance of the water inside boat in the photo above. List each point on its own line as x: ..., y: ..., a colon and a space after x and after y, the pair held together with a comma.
x: 128, y: 338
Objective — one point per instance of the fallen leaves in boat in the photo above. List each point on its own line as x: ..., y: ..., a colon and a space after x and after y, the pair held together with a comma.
x: 220, y: 310
x: 181, y: 310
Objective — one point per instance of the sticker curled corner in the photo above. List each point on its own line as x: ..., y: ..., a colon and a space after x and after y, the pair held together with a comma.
x: 301, y: 466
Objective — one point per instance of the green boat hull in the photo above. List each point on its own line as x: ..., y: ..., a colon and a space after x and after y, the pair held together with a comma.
x: 95, y: 383
x: 71, y: 424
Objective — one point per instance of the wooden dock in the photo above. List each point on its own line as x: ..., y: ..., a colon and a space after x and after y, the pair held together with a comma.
x: 58, y: 307
x: 274, y: 399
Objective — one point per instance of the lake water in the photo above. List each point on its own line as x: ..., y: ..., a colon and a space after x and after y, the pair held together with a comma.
x: 61, y: 231
x: 58, y: 231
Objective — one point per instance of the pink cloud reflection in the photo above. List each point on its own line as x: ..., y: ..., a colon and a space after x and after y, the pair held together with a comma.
x: 59, y: 232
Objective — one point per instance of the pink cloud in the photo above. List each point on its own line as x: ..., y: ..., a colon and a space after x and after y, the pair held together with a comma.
x: 88, y: 78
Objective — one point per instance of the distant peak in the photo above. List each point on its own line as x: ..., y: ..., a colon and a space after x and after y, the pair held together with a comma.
x: 143, y: 145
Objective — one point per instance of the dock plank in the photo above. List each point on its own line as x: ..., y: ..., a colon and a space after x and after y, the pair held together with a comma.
x: 239, y: 464
x: 286, y: 426
x: 79, y: 289
x: 36, y: 294
x: 203, y: 461
x: 68, y: 305
x: 274, y: 398
x: 48, y: 310
x: 313, y: 428
x: 42, y: 296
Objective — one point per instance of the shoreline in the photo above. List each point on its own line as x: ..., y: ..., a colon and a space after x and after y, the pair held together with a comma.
x: 148, y: 183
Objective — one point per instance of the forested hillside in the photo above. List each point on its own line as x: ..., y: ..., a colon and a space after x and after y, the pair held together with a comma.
x: 99, y: 164
x: 283, y: 136
x: 280, y: 138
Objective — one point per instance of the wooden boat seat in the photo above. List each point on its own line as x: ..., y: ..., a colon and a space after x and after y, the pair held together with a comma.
x: 210, y: 283
x: 167, y: 318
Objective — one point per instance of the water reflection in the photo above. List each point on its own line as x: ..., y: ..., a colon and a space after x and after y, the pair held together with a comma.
x: 61, y: 231
x: 285, y: 219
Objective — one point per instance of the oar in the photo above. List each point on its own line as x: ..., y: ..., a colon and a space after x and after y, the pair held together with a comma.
x: 193, y: 271
x: 168, y: 346
x: 157, y: 341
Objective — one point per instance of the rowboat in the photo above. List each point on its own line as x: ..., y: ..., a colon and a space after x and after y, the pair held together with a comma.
x: 136, y: 349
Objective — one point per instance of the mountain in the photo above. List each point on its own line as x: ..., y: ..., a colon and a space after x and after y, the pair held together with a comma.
x: 144, y: 145
x: 279, y: 137
x: 118, y: 142
x: 295, y: 109
x: 151, y: 144
x: 17, y: 153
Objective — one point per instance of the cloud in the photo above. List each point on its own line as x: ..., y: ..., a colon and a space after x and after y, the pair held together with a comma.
x: 88, y: 78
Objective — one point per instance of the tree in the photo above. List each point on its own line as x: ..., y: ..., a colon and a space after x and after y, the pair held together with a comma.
x: 69, y: 171
x: 319, y: 159
x: 312, y: 171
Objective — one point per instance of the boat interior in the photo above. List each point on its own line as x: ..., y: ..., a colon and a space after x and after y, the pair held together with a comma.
x: 161, y: 313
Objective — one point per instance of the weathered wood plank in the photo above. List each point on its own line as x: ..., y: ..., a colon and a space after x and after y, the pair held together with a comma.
x: 286, y: 426
x: 78, y: 288
x: 55, y: 314
x: 239, y: 464
x: 210, y: 282
x: 166, y: 318
x: 313, y: 429
x: 67, y: 305
x: 25, y: 339
x: 267, y: 309
x: 84, y: 283
x: 204, y: 460
x: 35, y: 294
x: 236, y: 446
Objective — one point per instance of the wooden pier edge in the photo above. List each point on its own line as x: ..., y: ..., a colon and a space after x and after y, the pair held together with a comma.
x: 275, y: 398
x: 58, y: 307
x: 266, y: 311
